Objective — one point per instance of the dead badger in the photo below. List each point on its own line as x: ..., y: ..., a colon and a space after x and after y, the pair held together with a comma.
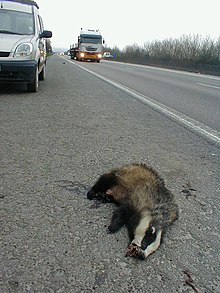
x: 146, y: 206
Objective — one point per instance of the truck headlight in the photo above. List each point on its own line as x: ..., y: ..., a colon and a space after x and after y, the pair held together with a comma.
x: 82, y: 55
x: 99, y: 55
x: 23, y: 50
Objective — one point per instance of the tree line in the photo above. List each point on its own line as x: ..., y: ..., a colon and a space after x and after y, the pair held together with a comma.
x: 190, y: 52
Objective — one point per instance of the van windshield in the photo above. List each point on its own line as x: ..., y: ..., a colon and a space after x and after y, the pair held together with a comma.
x: 16, y: 22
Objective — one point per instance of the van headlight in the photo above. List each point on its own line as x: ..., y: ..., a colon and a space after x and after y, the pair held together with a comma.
x: 23, y: 50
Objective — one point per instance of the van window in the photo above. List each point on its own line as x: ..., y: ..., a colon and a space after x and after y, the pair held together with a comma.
x: 16, y: 22
x: 40, y: 24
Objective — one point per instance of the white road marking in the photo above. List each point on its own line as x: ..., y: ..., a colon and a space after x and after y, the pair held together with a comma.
x: 208, y: 85
x: 190, y: 123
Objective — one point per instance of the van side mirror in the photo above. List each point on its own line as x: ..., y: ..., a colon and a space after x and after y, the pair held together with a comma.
x: 46, y: 34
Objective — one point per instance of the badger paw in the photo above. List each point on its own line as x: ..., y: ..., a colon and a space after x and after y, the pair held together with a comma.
x: 135, y: 251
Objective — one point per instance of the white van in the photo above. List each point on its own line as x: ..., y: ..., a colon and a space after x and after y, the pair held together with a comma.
x: 22, y: 43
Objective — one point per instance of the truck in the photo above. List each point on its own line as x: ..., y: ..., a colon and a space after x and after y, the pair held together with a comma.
x: 90, y: 46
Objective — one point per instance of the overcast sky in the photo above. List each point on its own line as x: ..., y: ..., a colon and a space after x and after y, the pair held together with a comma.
x: 124, y: 22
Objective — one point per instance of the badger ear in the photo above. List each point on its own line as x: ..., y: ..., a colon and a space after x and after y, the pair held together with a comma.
x: 108, y: 192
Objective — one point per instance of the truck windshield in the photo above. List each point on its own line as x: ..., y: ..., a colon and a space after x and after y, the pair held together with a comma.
x: 16, y: 22
x: 91, y: 40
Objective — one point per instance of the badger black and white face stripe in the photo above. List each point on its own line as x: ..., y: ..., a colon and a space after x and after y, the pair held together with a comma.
x: 146, y: 239
x: 142, y: 228
x: 154, y: 245
x: 140, y: 253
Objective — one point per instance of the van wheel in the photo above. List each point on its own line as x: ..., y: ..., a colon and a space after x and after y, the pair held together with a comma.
x: 42, y: 74
x: 33, y: 86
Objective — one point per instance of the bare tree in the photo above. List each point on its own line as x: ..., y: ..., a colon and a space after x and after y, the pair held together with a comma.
x: 192, y: 52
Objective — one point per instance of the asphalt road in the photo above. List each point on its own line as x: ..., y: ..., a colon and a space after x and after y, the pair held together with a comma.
x: 54, y: 144
x: 195, y: 95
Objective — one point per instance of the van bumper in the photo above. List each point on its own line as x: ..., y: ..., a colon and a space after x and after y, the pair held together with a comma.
x: 17, y: 71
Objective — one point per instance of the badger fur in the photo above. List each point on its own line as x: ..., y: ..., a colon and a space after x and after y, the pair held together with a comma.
x: 145, y: 206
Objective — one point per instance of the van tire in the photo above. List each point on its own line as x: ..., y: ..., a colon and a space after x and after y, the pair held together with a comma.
x: 42, y: 74
x: 33, y: 86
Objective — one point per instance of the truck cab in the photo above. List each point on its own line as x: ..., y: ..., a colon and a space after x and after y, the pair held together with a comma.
x: 89, y: 46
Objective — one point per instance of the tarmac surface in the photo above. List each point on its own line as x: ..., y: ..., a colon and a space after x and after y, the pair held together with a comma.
x: 53, y: 146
